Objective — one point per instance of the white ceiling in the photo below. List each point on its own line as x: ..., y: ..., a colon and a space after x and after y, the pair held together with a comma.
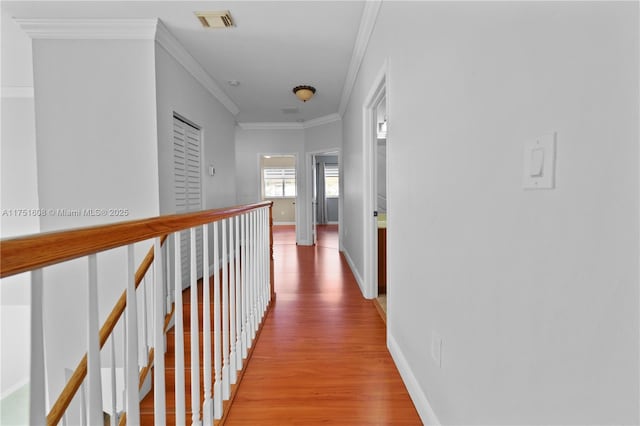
x: 274, y: 46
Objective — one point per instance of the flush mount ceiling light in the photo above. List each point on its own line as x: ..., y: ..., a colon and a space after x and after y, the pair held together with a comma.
x: 221, y: 19
x: 304, y: 93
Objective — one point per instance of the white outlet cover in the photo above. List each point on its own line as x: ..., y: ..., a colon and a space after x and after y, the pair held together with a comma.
x: 539, y: 162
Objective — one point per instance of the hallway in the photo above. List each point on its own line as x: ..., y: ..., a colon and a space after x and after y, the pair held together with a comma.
x: 321, y: 357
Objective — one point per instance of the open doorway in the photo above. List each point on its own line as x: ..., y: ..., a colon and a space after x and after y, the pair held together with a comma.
x: 381, y: 203
x: 278, y: 181
x: 325, y: 193
x: 376, y: 205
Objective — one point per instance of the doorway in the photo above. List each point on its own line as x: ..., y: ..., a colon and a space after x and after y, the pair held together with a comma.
x: 381, y: 203
x: 278, y: 182
x: 376, y: 199
x: 325, y: 192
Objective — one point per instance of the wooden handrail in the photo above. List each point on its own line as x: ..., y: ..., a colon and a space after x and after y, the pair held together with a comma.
x: 27, y: 253
x: 32, y: 252
x: 72, y: 386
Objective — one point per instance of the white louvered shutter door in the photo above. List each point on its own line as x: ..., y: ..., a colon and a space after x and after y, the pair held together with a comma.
x: 188, y: 185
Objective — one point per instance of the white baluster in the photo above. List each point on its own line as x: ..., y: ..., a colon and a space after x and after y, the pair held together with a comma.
x: 232, y: 305
x: 207, y: 407
x: 259, y: 264
x: 217, y: 347
x: 132, y: 371
x: 245, y: 288
x: 145, y: 332
x: 94, y: 382
x: 125, y: 360
x: 178, y: 334
x: 226, y: 387
x: 249, y: 283
x: 238, y: 278
x: 114, y: 408
x: 195, y: 340
x: 254, y: 261
x: 250, y: 288
x: 83, y: 404
x: 169, y: 290
x: 265, y: 257
x: 263, y: 294
x: 37, y: 403
x: 159, y: 411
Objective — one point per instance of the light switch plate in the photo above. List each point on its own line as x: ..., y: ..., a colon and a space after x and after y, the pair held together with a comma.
x: 534, y: 174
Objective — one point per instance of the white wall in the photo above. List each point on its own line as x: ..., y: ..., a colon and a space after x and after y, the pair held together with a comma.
x: 534, y: 293
x: 18, y: 191
x: 178, y: 91
x: 96, y: 148
x: 250, y: 146
x: 324, y: 138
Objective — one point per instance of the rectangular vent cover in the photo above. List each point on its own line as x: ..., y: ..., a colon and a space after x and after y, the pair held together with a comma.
x: 215, y: 19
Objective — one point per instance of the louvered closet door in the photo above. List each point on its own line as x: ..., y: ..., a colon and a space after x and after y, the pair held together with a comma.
x: 188, y: 185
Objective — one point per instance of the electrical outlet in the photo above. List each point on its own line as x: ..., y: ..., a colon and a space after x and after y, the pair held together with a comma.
x: 436, y: 349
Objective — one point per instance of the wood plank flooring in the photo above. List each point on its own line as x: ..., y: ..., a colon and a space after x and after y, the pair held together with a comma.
x: 321, y: 357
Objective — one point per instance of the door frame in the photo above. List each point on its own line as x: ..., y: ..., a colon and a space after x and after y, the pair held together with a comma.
x: 310, y: 159
x: 297, y: 165
x: 378, y: 92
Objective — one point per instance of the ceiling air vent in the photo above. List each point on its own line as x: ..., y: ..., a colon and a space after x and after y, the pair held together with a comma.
x: 220, y: 19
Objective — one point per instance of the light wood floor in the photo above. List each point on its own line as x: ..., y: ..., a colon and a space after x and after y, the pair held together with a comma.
x: 321, y: 357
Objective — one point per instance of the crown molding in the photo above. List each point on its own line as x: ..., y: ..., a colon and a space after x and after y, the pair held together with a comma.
x: 288, y: 125
x: 169, y: 43
x: 321, y: 120
x: 83, y: 28
x: 17, y: 92
x: 367, y: 24
x: 271, y: 126
x: 127, y: 29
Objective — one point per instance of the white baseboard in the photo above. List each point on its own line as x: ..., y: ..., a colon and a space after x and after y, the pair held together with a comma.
x: 425, y: 411
x: 355, y: 272
x: 283, y: 223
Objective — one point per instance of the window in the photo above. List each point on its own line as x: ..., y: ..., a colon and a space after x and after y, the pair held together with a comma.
x: 331, y: 181
x: 279, y: 182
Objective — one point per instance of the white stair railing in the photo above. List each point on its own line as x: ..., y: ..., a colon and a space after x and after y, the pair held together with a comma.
x: 239, y: 250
